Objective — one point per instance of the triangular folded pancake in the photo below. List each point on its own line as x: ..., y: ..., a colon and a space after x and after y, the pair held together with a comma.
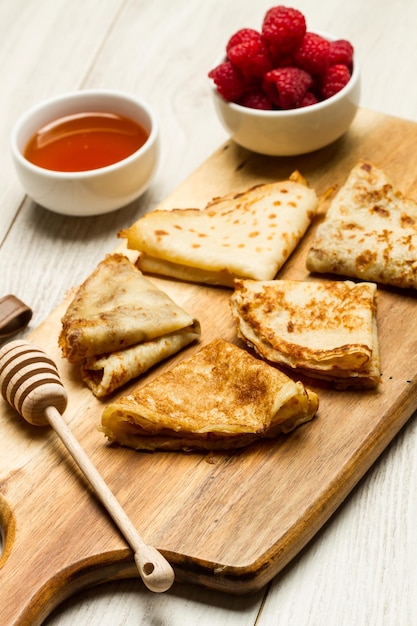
x: 117, y: 307
x: 119, y: 325
x: 219, y: 398
x: 326, y: 329
x: 248, y: 235
x: 369, y: 232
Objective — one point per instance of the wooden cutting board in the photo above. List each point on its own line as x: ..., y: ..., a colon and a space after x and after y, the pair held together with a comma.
x: 229, y: 521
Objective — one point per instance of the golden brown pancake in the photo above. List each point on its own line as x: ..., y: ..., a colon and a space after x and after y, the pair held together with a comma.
x: 119, y: 325
x: 369, y: 232
x: 326, y: 329
x: 219, y: 398
x: 247, y: 235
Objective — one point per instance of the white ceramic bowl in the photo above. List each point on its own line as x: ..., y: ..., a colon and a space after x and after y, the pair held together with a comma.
x: 95, y: 191
x: 295, y: 131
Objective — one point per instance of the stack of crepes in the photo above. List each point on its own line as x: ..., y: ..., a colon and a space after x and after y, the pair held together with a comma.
x: 221, y: 397
x: 325, y: 329
x: 369, y: 231
x: 249, y: 234
x: 119, y: 324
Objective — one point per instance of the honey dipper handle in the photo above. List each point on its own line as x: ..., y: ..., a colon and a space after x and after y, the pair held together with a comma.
x: 155, y: 571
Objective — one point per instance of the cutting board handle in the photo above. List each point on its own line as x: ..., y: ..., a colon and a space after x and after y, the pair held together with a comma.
x: 57, y: 539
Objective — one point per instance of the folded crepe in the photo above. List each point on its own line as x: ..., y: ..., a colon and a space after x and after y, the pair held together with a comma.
x: 325, y: 329
x: 219, y: 398
x: 119, y: 325
x: 369, y: 232
x: 248, y: 235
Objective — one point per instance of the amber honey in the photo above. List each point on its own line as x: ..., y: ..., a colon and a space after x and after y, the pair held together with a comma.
x: 85, y: 141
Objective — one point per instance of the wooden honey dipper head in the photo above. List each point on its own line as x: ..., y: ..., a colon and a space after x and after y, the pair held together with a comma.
x: 30, y: 382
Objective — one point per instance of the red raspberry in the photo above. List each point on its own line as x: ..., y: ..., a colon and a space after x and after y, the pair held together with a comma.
x: 308, y: 99
x: 244, y: 34
x: 251, y: 57
x: 334, y: 79
x: 283, y: 29
x: 229, y: 81
x: 313, y: 53
x: 287, y: 86
x: 256, y: 100
x: 341, y: 51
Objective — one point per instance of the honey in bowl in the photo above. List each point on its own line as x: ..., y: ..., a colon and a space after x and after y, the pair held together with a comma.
x: 85, y: 141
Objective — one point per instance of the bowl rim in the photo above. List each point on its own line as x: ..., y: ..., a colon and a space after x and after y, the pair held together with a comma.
x: 282, y: 113
x: 75, y: 96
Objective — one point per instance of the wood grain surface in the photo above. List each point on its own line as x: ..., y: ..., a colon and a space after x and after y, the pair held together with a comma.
x: 228, y: 521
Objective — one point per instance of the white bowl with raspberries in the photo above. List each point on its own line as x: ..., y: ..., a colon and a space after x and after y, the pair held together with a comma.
x: 284, y: 90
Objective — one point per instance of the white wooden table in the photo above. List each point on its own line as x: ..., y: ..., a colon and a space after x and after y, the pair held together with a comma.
x: 360, y: 570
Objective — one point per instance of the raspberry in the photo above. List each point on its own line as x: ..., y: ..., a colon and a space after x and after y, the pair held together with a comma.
x: 341, y: 51
x: 251, y: 57
x: 313, y: 53
x: 283, y: 29
x: 308, y: 100
x: 244, y: 34
x: 228, y: 80
x: 256, y: 100
x: 334, y: 79
x: 287, y: 86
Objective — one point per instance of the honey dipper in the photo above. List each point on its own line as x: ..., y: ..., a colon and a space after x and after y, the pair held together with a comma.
x: 30, y: 383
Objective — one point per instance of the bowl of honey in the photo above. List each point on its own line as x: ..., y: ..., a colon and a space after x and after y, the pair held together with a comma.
x: 87, y: 152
